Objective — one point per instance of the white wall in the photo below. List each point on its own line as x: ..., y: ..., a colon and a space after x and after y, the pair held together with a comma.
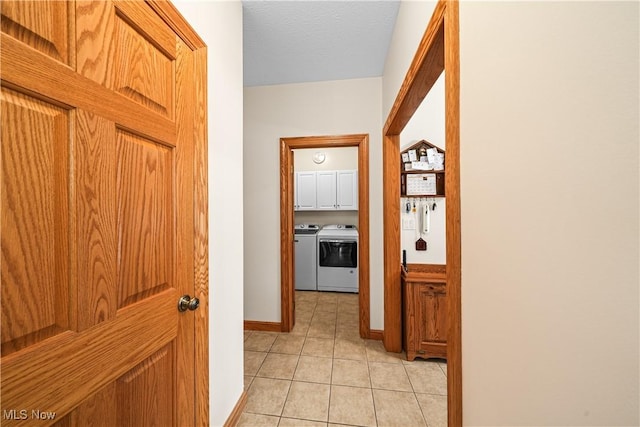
x: 412, y: 20
x: 220, y: 26
x: 335, y: 159
x: 340, y: 158
x: 436, y: 252
x: 427, y: 122
x: 307, y: 109
x: 549, y: 170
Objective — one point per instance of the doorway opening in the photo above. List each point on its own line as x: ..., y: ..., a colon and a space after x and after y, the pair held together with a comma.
x: 438, y: 52
x: 287, y: 278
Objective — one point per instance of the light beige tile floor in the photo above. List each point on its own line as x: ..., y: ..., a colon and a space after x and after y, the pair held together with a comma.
x: 324, y: 374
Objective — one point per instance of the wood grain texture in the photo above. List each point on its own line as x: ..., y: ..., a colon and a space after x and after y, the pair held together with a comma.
x: 61, y: 372
x: 437, y: 270
x: 254, y: 325
x: 234, y: 417
x: 425, y: 317
x: 391, y: 238
x: 201, y: 240
x: 287, y: 145
x: 98, y: 410
x: 433, y: 300
x: 145, y: 218
x: 142, y: 72
x: 95, y: 44
x: 35, y: 225
x: 177, y: 23
x: 136, y: 406
x: 95, y: 214
x: 45, y: 26
x: 151, y: 27
x: 125, y: 47
x: 115, y: 219
x: 364, y: 281
x: 30, y: 69
x: 185, y: 230
x: 453, y: 232
x: 287, y: 252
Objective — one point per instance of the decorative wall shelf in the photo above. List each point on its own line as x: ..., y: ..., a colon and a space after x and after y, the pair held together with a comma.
x: 417, y: 176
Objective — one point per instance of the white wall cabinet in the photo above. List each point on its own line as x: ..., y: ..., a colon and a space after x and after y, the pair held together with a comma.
x: 305, y: 191
x: 347, y: 190
x: 326, y: 190
x: 337, y: 190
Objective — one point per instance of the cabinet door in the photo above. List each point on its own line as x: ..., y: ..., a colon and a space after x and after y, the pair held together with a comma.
x: 305, y: 189
x: 347, y: 190
x: 326, y: 190
x: 431, y: 319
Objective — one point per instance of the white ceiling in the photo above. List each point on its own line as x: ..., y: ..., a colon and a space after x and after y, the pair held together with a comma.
x: 309, y: 40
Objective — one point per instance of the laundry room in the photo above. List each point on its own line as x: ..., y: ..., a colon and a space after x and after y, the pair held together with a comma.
x: 326, y: 218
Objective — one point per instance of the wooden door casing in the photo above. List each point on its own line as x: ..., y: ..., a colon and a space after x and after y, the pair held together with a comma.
x: 98, y: 149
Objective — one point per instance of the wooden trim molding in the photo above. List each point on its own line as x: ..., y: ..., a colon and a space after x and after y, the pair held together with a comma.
x: 453, y: 217
x: 254, y: 325
x: 174, y: 19
x: 391, y: 223
x: 376, y: 334
x: 235, y: 414
x: 287, y: 145
x: 426, y: 67
x: 439, y: 51
x: 201, y: 250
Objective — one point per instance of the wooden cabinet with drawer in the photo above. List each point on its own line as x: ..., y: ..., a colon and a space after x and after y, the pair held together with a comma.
x: 424, y: 295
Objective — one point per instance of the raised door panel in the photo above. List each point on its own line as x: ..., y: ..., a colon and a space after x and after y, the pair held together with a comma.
x: 145, y: 218
x: 305, y: 191
x: 95, y: 213
x: 98, y: 410
x: 43, y: 25
x: 127, y: 48
x: 35, y: 224
x: 347, y: 190
x: 326, y: 190
x: 135, y: 405
x: 126, y: 401
x: 432, y: 320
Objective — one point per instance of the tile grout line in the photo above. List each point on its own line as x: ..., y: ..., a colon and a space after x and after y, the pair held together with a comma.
x: 415, y: 395
x: 333, y: 353
x: 373, y: 400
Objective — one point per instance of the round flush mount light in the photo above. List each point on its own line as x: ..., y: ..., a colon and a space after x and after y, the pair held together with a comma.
x: 319, y: 157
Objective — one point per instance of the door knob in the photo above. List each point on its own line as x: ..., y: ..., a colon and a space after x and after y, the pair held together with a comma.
x: 187, y: 303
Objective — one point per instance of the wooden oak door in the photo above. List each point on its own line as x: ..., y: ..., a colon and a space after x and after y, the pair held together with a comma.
x: 102, y: 117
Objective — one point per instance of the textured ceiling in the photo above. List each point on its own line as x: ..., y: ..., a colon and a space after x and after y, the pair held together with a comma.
x: 305, y: 41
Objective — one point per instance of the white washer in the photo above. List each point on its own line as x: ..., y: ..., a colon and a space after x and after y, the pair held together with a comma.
x: 338, y: 258
x: 305, y: 257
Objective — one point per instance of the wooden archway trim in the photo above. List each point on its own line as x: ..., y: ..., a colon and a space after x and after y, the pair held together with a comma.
x: 287, y: 145
x: 439, y: 51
